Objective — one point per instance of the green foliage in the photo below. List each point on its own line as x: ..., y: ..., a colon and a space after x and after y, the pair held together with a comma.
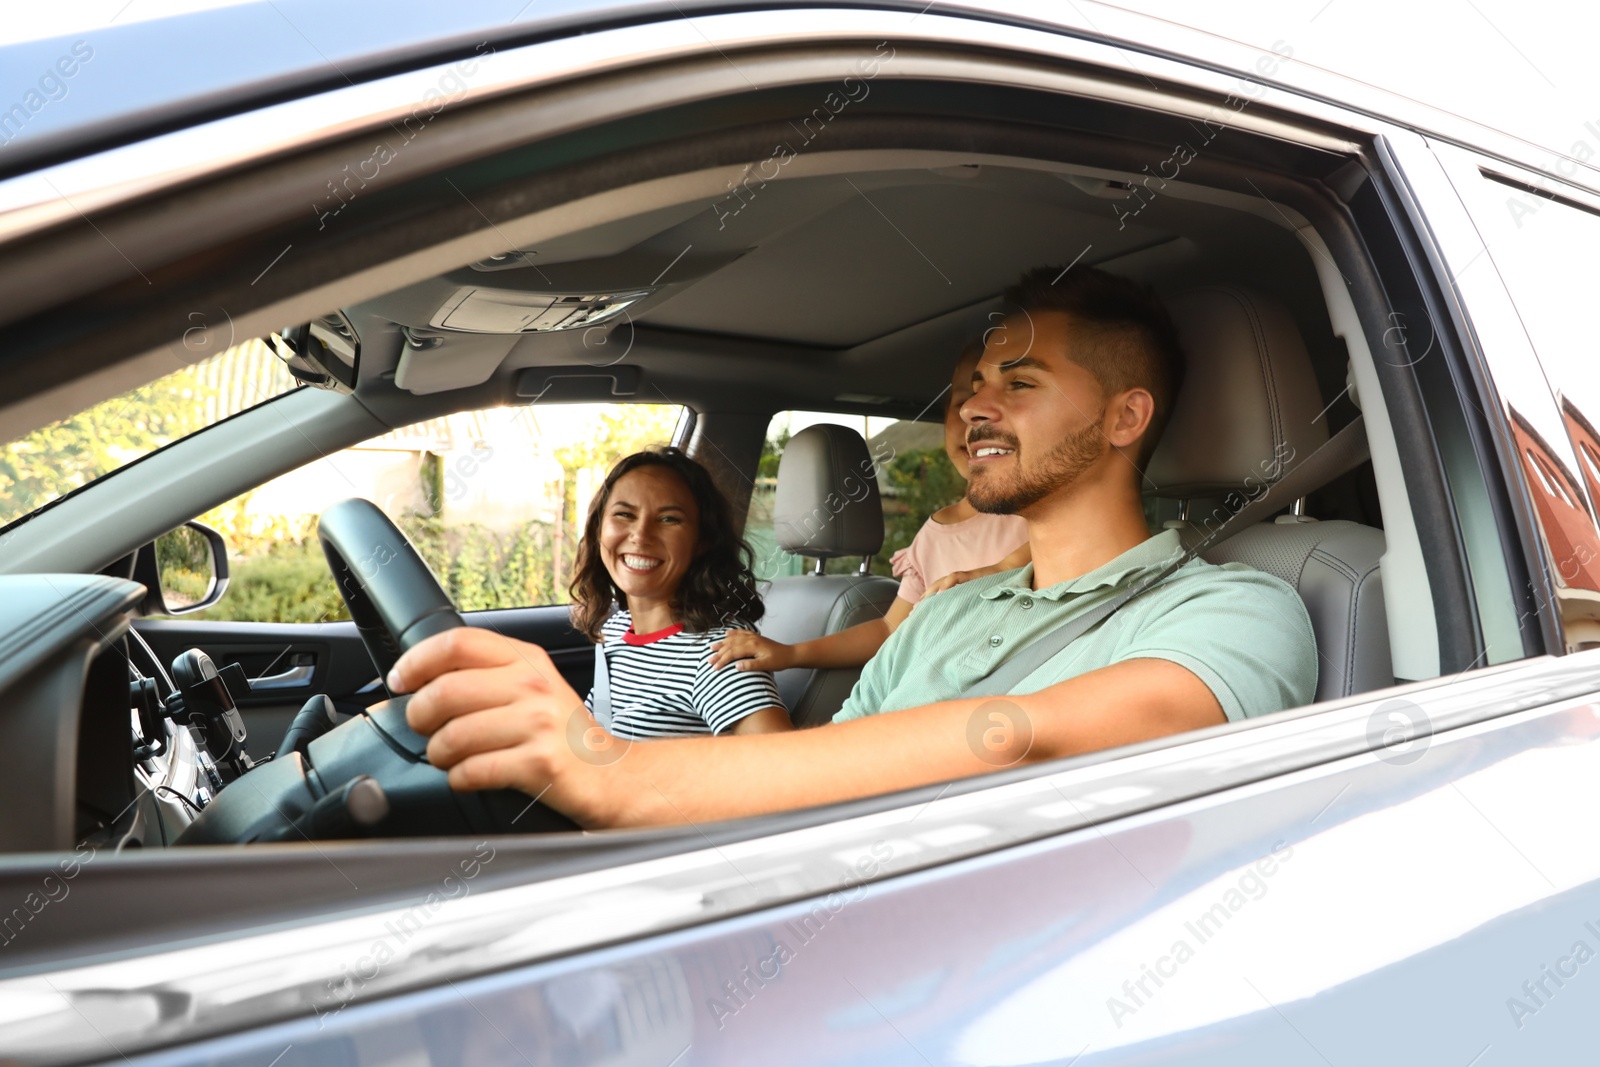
x: 279, y: 574
x: 183, y: 549
x: 278, y: 571
x: 431, y: 473
x: 248, y: 534
x: 67, y: 455
x: 289, y: 582
x: 918, y: 483
x: 479, y: 570
x: 922, y: 481
x: 771, y: 453
x: 183, y: 559
x: 482, y: 570
x: 619, y: 432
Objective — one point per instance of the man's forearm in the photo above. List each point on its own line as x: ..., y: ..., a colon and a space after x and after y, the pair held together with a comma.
x: 697, y: 780
x: 694, y: 780
x: 506, y: 718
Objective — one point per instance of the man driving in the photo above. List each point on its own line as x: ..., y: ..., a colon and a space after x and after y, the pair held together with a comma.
x: 1069, y: 400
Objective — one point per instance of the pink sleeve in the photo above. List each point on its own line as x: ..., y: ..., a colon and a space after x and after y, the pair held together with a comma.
x: 904, y: 565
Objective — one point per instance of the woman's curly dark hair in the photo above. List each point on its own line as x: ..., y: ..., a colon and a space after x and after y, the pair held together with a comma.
x: 719, y: 588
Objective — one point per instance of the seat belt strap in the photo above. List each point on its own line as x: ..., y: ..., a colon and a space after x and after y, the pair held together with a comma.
x: 1344, y: 451
x: 600, y: 693
x: 1340, y: 454
x: 1044, y: 648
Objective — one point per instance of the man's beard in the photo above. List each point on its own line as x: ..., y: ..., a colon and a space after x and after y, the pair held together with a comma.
x: 1070, y: 457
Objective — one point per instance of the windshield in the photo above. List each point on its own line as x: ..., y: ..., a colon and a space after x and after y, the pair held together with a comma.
x: 66, y: 456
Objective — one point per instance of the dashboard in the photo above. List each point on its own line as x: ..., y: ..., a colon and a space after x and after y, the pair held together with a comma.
x: 68, y: 752
x: 93, y: 752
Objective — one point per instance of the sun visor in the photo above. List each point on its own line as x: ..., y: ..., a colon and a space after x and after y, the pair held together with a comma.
x: 475, y: 309
x: 513, y: 294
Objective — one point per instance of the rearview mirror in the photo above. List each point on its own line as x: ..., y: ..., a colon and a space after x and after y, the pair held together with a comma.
x: 183, y: 571
x: 324, y: 352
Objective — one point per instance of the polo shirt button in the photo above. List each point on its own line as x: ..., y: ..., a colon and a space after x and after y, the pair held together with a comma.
x: 995, y: 640
x: 1025, y: 602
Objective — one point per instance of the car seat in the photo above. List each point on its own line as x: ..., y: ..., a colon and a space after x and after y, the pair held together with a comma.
x: 1249, y: 404
x: 827, y: 507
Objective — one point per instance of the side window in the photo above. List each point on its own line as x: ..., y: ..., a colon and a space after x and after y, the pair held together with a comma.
x: 915, y: 479
x: 493, y: 500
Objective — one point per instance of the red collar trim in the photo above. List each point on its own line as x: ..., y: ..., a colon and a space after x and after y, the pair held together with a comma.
x: 631, y: 638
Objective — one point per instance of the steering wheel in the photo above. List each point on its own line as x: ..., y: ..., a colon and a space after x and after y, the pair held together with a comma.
x: 368, y: 776
x: 393, y: 597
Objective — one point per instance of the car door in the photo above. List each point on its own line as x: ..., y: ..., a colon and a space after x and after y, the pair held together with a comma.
x: 1343, y: 879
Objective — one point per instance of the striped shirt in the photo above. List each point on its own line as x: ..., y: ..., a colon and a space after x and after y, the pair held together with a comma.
x: 663, y: 685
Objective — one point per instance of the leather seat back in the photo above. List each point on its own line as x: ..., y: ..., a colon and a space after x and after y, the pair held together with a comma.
x: 827, y: 506
x: 1334, y: 567
x: 1249, y: 405
x: 812, y: 606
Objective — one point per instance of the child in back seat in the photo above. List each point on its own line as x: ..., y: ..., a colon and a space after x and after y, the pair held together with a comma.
x: 957, y: 543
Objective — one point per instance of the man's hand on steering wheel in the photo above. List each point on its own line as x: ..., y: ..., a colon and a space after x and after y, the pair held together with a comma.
x: 499, y: 715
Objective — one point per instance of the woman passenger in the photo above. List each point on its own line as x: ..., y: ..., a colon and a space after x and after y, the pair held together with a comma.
x: 661, y: 575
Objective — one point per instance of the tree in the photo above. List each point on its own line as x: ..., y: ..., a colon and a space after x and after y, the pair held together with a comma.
x: 620, y: 431
x: 67, y: 455
x: 922, y: 480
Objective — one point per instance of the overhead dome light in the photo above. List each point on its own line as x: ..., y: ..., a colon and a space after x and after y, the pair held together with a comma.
x: 514, y: 260
x: 478, y: 310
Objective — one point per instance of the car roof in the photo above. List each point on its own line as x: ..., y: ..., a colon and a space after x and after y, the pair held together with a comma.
x: 160, y: 74
x: 154, y: 75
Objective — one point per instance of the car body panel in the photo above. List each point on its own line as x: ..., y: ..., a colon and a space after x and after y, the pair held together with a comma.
x: 303, y: 47
x: 1534, y: 426
x: 1562, y: 472
x: 1425, y: 886
x: 230, y: 980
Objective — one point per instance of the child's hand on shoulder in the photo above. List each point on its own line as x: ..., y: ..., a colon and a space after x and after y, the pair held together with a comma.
x: 955, y: 578
x: 1019, y: 557
x: 752, y: 652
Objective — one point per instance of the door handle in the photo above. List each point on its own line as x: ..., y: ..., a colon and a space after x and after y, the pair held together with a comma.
x: 298, y: 675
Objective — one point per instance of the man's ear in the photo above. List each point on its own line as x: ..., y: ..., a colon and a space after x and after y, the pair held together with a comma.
x: 1127, y: 416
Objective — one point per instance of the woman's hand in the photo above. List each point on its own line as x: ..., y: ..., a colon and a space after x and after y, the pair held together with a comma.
x: 499, y: 715
x: 752, y: 652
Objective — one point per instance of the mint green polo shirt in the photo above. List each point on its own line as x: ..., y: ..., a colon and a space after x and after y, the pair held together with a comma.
x: 1242, y: 632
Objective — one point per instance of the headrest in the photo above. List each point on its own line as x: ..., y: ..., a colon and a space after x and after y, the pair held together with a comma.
x: 1248, y: 400
x: 827, y: 501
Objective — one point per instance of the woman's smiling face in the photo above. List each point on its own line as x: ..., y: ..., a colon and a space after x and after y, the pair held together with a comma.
x: 648, y: 533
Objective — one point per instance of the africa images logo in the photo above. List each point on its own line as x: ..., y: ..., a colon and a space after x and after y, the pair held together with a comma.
x: 1399, y: 732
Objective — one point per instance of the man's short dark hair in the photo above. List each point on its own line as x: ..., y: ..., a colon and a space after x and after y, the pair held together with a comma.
x: 1122, y: 332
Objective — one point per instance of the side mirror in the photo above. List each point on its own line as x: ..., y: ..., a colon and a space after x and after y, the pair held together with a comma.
x: 184, y: 570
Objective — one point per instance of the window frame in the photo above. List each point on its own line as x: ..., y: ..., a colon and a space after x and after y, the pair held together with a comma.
x: 209, y: 617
